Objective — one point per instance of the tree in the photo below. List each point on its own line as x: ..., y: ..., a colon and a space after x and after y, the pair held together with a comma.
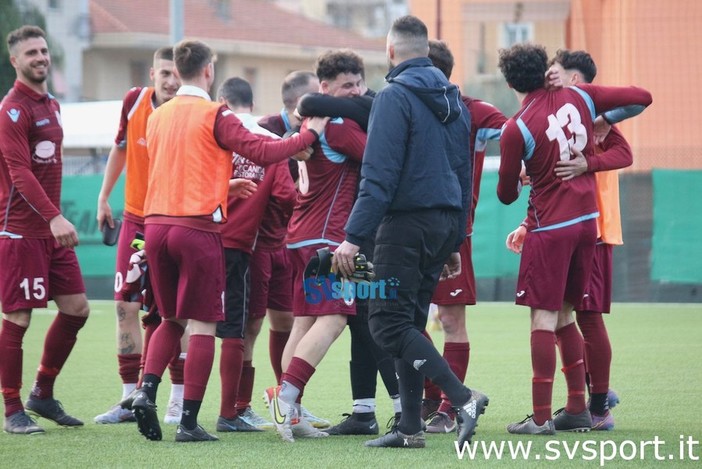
x: 11, y: 18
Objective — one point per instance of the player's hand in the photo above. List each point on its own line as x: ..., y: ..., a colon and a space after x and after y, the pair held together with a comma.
x: 242, y: 188
x: 567, y: 170
x: 553, y: 80
x: 63, y: 231
x: 304, y: 155
x: 317, y: 124
x: 452, y: 268
x: 515, y: 240
x: 524, y: 178
x: 343, y: 260
x: 104, y: 214
x: 602, y: 129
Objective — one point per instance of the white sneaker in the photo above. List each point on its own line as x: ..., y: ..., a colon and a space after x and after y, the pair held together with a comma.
x: 173, y: 413
x: 316, y: 422
x: 283, y: 414
x: 255, y: 420
x: 116, y: 414
x: 304, y: 429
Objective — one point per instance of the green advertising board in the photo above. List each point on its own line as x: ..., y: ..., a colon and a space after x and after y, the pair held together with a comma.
x: 677, y: 224
x: 79, y: 206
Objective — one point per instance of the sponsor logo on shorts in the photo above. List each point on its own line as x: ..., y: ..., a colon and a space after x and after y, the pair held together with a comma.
x: 521, y: 293
x: 331, y: 288
x: 456, y: 292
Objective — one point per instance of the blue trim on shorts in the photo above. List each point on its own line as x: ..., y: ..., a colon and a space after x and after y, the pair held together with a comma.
x: 309, y: 242
x: 568, y: 223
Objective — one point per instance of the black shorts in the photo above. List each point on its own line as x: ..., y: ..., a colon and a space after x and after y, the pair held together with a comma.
x: 236, y: 295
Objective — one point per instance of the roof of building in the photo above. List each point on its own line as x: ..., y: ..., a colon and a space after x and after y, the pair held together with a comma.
x: 235, y: 20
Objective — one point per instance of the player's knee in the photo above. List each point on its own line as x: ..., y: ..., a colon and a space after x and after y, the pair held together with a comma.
x: 127, y: 311
x: 80, y: 309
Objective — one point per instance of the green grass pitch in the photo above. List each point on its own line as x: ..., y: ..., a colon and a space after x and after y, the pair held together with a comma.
x: 656, y: 371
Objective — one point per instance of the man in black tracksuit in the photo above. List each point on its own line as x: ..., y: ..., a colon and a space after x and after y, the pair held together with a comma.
x: 415, y: 190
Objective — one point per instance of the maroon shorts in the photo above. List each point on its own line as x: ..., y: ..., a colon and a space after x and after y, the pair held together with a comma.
x: 35, y: 271
x: 124, y: 252
x: 556, y: 266
x: 459, y: 290
x: 299, y: 258
x: 271, y: 282
x: 598, y: 294
x: 187, y: 272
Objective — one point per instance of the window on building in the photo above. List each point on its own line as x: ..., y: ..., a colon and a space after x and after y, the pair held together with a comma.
x: 514, y: 33
x: 54, y: 4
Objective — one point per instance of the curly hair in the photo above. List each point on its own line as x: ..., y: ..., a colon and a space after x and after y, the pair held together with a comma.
x: 333, y: 62
x: 524, y: 66
x: 576, y: 60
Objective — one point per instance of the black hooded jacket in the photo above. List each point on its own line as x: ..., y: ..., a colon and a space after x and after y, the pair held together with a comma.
x: 418, y: 150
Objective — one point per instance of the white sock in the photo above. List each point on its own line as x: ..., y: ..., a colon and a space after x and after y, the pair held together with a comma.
x: 364, y: 406
x: 176, y: 393
x: 127, y: 388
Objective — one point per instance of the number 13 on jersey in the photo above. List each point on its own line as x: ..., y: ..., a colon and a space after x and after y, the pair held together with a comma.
x: 567, y: 117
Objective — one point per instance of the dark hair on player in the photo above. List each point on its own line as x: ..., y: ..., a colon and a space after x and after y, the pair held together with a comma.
x: 524, y: 66
x: 441, y: 57
x: 24, y: 33
x: 334, y: 62
x: 236, y: 92
x: 191, y: 57
x: 164, y: 53
x: 295, y: 85
x: 408, y: 34
x: 576, y: 60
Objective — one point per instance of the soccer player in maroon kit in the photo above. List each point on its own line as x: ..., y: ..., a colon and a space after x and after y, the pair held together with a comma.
x: 129, y: 150
x: 36, y: 241
x: 561, y: 231
x: 327, y: 183
x: 271, y: 270
x: 239, y: 236
x: 612, y: 152
x: 190, y: 143
x: 453, y: 295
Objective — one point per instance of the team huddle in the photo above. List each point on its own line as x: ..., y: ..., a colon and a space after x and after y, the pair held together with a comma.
x: 230, y: 210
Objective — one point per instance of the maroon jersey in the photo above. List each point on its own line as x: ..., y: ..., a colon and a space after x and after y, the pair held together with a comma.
x: 274, y: 183
x: 542, y: 133
x: 276, y: 123
x: 274, y: 227
x: 486, y: 123
x: 328, y: 183
x: 245, y: 215
x: 30, y: 165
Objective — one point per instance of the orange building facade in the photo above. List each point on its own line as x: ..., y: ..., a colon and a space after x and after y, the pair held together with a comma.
x: 642, y: 42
